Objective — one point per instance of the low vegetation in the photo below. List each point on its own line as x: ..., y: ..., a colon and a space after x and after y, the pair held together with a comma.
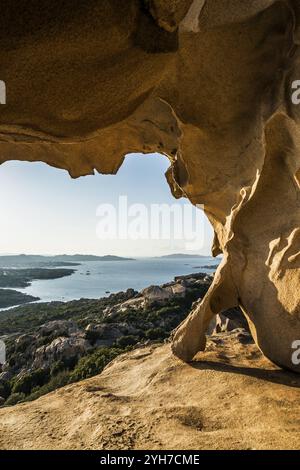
x: 9, y: 298
x: 53, y: 344
x: 23, y: 277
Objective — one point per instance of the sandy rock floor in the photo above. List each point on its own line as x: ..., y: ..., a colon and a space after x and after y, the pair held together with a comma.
x: 230, y: 397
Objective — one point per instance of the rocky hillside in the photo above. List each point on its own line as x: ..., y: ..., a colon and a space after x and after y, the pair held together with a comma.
x: 50, y: 345
x: 229, y: 397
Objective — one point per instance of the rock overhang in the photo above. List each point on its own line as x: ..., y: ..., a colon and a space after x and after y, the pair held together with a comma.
x: 208, y: 87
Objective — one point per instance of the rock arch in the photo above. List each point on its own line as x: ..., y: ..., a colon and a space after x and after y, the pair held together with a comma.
x: 207, y: 84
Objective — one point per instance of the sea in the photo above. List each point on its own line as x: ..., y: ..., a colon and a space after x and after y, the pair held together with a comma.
x: 95, y: 279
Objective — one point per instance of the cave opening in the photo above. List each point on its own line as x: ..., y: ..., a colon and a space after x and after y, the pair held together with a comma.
x: 131, y: 214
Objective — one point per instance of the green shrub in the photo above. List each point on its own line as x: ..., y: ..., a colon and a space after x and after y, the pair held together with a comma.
x: 92, y: 336
x: 59, y: 380
x: 26, y: 383
x: 21, y: 347
x: 12, y: 361
x: 5, y: 389
x: 94, y: 363
x: 57, y: 367
x: 167, y: 310
x: 70, y: 362
x: 125, y: 341
x: 15, y: 398
x: 156, y: 333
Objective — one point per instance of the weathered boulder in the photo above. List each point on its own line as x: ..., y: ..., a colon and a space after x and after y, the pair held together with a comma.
x: 106, y: 334
x: 122, y: 307
x: 59, y: 327
x: 162, y: 294
x: 123, y: 295
x: 131, y: 304
x: 61, y: 348
x: 177, y: 289
x: 156, y: 295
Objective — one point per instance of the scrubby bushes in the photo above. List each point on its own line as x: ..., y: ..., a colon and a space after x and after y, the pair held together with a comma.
x: 59, y: 380
x: 156, y: 333
x: 5, y: 389
x: 92, y: 336
x: 15, y: 398
x: 57, y: 367
x: 29, y: 381
x: 128, y: 340
x: 94, y: 363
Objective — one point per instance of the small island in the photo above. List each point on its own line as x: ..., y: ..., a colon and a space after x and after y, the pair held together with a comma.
x: 23, y: 277
x: 10, y: 298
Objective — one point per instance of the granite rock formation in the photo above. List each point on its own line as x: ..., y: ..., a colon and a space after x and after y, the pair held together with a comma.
x: 231, y: 397
x: 209, y: 84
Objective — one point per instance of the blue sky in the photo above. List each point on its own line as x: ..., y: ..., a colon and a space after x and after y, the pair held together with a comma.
x: 44, y: 211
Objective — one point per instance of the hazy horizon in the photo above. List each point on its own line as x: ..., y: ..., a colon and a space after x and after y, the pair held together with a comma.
x: 44, y: 211
x: 105, y: 254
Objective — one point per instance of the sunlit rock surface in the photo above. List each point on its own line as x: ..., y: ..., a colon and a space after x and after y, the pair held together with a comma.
x: 230, y: 397
x: 206, y: 83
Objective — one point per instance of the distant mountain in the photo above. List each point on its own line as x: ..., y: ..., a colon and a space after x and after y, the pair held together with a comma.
x: 82, y: 258
x: 53, y: 261
x: 181, y: 255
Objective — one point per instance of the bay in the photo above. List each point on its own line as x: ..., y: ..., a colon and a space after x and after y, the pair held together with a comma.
x: 95, y: 279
